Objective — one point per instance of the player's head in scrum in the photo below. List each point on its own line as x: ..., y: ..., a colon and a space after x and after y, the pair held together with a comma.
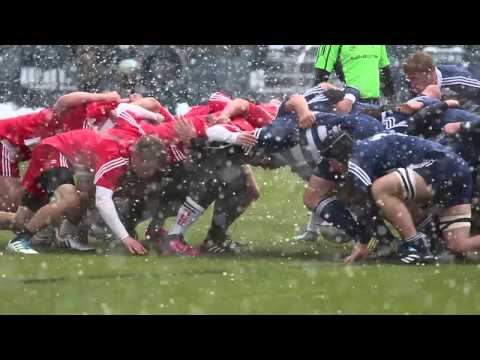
x: 148, y: 156
x: 420, y: 71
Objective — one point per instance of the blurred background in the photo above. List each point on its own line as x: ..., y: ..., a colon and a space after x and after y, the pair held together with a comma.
x: 35, y: 75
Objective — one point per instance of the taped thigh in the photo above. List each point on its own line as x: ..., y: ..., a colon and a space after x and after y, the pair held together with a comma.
x: 407, y: 181
x: 455, y: 222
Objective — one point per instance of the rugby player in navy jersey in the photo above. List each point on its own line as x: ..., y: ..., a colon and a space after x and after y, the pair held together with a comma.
x: 421, y: 71
x: 400, y: 173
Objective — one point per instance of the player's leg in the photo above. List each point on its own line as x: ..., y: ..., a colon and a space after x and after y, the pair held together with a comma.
x: 47, y: 177
x: 66, y: 202
x: 319, y: 198
x: 390, y: 193
x: 455, y: 194
x: 455, y: 226
x: 301, y: 162
x: 164, y: 199
x: 231, y: 203
x: 203, y: 188
x: 11, y: 190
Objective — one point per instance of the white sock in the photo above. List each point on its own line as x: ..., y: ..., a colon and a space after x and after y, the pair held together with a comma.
x: 187, y: 215
x: 312, y: 226
x: 315, y: 222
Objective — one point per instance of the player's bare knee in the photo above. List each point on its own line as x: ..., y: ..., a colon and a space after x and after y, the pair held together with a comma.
x: 67, y: 196
x: 254, y: 193
x: 386, y: 186
x: 458, y: 244
x: 455, y: 229
x: 379, y: 191
x: 312, y: 198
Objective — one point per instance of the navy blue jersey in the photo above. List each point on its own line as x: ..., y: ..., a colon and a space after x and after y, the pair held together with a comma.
x: 398, y: 122
x: 395, y: 121
x: 447, y: 174
x: 460, y: 80
x: 316, y: 100
x: 467, y: 146
x: 402, y: 123
x: 284, y: 133
x: 360, y: 126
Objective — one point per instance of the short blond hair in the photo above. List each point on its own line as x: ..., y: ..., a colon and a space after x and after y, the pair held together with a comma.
x: 151, y: 148
x: 419, y: 62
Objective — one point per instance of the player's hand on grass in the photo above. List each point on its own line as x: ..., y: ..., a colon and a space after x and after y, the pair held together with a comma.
x: 452, y: 128
x: 344, y: 106
x: 134, y: 246
x: 185, y: 130
x: 360, y: 252
x: 306, y: 120
x: 246, y: 139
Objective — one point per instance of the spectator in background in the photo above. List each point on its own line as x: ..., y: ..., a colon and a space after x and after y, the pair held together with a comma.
x: 94, y: 69
x: 361, y: 67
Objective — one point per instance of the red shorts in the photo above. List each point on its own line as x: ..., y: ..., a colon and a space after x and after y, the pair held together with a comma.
x: 9, y: 162
x: 44, y: 157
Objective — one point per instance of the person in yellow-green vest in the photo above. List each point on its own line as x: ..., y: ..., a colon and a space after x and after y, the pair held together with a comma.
x: 361, y: 67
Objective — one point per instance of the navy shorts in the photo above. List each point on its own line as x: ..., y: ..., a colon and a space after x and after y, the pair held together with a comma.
x: 450, y: 179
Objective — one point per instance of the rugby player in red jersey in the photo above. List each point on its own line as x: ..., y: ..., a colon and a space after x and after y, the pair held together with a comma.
x: 51, y: 192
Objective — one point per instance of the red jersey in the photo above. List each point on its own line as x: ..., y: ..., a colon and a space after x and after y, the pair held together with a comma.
x: 101, y: 153
x: 218, y: 101
x: 87, y: 116
x: 25, y: 130
x: 167, y: 132
x: 260, y: 115
x: 106, y: 152
x: 166, y: 114
x: 198, y: 110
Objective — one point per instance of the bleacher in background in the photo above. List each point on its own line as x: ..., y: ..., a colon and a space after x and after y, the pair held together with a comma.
x: 35, y: 75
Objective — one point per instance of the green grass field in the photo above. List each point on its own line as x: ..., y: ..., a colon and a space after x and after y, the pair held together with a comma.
x: 276, y: 278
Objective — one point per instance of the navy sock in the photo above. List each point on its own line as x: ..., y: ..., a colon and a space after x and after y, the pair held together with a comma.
x: 334, y: 211
x: 25, y: 233
x: 418, y: 241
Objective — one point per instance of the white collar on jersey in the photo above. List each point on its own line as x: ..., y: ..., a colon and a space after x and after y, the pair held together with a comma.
x: 439, y: 77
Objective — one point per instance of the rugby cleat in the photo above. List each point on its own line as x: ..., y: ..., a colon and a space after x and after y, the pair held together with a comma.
x: 70, y: 242
x: 307, y: 236
x: 227, y: 246
x: 156, y: 237
x: 333, y: 234
x: 44, y: 237
x: 70, y: 236
x: 20, y: 245
x: 176, y: 245
x: 417, y: 252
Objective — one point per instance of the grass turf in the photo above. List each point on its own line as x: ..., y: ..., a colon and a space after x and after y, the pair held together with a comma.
x: 276, y: 278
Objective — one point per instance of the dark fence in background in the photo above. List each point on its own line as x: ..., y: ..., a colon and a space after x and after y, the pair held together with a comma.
x: 36, y: 75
